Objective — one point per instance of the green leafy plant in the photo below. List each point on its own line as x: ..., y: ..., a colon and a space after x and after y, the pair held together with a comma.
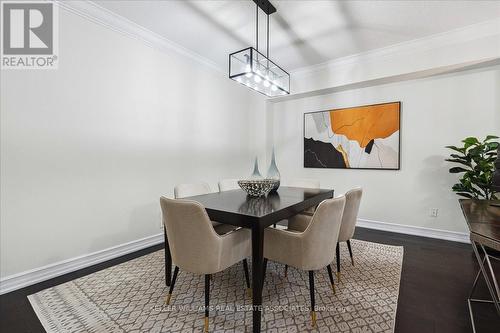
x: 477, y: 165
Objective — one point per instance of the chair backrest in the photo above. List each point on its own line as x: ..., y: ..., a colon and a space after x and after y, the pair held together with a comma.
x: 189, y: 190
x: 305, y: 183
x: 321, y: 235
x: 228, y: 185
x: 353, y: 199
x: 192, y: 240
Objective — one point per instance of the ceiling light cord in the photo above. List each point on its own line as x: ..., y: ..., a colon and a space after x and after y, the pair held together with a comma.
x: 257, y: 27
x: 267, y: 48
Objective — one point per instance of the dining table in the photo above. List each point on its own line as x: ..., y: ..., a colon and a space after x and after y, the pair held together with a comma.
x: 236, y: 208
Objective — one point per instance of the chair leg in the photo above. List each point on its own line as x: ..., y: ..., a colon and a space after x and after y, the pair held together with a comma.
x: 313, y: 303
x: 264, y: 271
x: 286, y: 270
x: 330, y: 274
x: 207, y: 300
x: 172, y: 283
x: 350, y: 251
x: 247, y: 277
x: 337, y: 250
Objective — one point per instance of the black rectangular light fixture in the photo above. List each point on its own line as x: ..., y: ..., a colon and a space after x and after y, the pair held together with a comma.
x: 255, y: 70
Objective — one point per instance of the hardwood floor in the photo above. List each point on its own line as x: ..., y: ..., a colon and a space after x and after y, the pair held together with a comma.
x: 435, y: 282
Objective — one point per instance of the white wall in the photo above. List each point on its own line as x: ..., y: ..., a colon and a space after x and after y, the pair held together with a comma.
x: 88, y: 149
x: 436, y: 112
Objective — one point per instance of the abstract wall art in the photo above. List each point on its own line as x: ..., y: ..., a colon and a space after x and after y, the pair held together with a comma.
x: 363, y: 137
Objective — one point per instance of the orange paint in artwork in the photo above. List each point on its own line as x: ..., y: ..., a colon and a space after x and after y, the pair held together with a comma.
x: 366, y: 123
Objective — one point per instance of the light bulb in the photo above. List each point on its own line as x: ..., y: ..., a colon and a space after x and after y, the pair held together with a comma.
x: 266, y: 83
x: 274, y: 88
x: 257, y: 78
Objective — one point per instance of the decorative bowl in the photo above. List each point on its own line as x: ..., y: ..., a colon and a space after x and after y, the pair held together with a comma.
x: 257, y: 187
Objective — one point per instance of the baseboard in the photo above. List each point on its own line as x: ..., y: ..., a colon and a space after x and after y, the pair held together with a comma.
x: 27, y: 278
x: 24, y: 279
x: 454, y: 236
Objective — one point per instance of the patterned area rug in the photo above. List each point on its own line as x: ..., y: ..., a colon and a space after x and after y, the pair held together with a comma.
x: 130, y: 298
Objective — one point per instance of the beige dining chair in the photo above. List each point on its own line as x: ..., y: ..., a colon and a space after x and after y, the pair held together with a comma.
x: 188, y: 190
x: 197, y: 248
x: 348, y: 226
x: 349, y: 218
x: 228, y: 185
x: 304, y: 183
x: 310, y: 249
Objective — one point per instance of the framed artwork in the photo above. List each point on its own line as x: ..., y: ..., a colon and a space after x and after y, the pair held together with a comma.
x: 362, y: 137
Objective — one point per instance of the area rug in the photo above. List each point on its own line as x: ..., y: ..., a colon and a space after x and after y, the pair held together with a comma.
x: 130, y: 298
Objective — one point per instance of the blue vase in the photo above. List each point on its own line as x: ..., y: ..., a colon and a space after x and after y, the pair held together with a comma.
x: 273, y: 172
x: 256, y: 173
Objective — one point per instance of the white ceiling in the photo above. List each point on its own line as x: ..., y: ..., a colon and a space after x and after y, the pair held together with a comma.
x: 303, y: 33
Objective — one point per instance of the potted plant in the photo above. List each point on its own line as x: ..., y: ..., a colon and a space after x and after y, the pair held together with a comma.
x: 476, y: 159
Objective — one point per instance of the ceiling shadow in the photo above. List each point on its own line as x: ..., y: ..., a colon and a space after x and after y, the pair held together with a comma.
x: 306, y: 51
x: 223, y: 29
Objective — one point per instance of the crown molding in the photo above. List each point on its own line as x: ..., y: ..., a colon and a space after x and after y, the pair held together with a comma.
x: 436, y: 71
x: 427, y: 43
x: 93, y: 12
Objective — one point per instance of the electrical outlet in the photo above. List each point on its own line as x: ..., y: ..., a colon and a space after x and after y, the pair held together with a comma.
x: 434, y: 212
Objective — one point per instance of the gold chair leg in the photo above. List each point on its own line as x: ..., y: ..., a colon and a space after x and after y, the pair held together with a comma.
x: 249, y: 292
x: 333, y: 288
x: 352, y: 261
x: 338, y: 277
x: 167, y: 299
x: 286, y: 270
x: 313, y: 318
x: 206, y: 325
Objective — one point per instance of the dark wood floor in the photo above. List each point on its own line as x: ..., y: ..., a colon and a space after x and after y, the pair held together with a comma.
x: 435, y: 283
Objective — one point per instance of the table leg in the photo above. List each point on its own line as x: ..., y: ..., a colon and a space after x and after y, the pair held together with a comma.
x: 494, y: 296
x: 257, y: 278
x: 168, y: 260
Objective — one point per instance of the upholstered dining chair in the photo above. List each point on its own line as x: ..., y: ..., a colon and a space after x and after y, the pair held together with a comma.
x: 352, y: 202
x: 305, y: 183
x: 228, y: 185
x: 189, y: 190
x: 311, y: 249
x: 197, y: 248
x: 349, y: 218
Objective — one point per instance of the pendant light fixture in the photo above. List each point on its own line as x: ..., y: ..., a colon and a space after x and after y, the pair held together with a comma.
x: 254, y: 69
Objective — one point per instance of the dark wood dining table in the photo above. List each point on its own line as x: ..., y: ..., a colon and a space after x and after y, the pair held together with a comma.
x: 238, y: 209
